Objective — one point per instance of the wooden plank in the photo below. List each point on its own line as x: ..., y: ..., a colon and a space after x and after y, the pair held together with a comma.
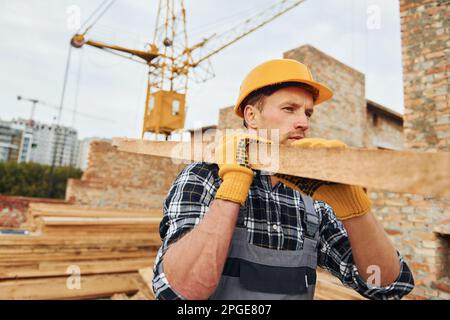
x: 145, y: 283
x: 94, y: 214
x: 71, y: 249
x: 36, y: 258
x: 92, y: 286
x: 102, y: 230
x: 38, y: 209
x: 329, y: 287
x: 121, y: 221
x: 119, y: 296
x: 90, y: 231
x: 425, y: 173
x: 59, y: 268
x: 110, y: 240
x: 139, y: 296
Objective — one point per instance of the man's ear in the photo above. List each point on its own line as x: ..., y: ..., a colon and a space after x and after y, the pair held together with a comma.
x: 251, y: 116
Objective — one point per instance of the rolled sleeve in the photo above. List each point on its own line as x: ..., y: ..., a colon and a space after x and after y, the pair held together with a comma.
x: 184, y: 207
x: 335, y: 256
x: 394, y: 291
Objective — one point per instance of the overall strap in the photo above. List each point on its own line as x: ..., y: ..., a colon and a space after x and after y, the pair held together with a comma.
x: 311, y: 218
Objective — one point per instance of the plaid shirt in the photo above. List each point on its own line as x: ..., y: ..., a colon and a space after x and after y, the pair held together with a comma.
x: 274, y: 219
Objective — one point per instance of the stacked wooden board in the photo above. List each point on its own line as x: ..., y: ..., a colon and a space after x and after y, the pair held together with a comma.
x: 77, y: 252
x: 329, y: 287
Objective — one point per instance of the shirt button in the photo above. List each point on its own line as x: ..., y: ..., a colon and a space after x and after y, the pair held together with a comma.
x: 275, y: 227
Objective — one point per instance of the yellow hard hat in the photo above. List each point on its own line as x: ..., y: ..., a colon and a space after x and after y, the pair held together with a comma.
x: 279, y: 71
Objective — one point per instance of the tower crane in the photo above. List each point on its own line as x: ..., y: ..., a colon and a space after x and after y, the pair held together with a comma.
x: 172, y: 61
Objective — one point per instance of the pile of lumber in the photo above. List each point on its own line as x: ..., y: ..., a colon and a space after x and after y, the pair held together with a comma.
x: 74, y: 252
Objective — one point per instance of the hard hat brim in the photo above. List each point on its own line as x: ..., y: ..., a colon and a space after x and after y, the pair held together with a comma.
x: 325, y: 93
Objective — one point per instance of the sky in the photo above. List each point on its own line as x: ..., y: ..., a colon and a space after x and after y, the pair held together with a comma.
x: 109, y: 91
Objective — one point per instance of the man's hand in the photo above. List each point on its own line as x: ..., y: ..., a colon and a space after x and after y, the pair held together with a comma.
x: 347, y: 201
x: 234, y: 167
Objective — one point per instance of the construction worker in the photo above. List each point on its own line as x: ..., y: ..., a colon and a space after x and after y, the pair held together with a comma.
x: 230, y: 232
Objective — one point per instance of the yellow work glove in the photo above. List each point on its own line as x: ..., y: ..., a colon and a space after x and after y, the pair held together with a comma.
x: 234, y: 169
x: 347, y: 201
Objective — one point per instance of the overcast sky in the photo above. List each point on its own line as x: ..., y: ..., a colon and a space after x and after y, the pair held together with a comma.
x: 364, y: 34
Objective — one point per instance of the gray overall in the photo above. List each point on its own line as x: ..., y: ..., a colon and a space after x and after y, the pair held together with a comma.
x: 257, y: 273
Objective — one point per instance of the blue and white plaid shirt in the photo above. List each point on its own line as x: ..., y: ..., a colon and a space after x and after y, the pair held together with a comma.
x: 274, y: 219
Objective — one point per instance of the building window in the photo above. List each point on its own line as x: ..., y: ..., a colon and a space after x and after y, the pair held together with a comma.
x: 151, y: 104
x: 175, y: 107
x: 375, y: 120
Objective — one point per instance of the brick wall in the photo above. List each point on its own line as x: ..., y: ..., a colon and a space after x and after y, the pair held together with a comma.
x: 228, y: 120
x: 410, y: 221
x: 122, y: 180
x: 13, y: 210
x: 343, y: 117
x: 425, y: 49
x: 384, y: 129
x: 425, y: 28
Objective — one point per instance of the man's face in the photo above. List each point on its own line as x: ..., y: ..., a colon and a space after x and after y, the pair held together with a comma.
x: 288, y: 110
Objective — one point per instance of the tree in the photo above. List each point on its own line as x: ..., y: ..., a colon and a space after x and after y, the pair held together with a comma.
x: 31, y: 179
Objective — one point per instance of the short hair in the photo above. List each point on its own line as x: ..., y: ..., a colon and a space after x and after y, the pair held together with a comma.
x: 257, y: 97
